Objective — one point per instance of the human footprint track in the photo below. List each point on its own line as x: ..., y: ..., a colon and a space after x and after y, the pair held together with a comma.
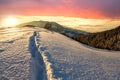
x: 4, y: 78
x: 10, y: 42
x: 42, y: 49
x: 2, y: 51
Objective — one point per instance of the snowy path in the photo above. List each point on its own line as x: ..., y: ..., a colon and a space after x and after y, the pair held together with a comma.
x: 38, y: 69
x: 38, y: 54
x: 71, y: 60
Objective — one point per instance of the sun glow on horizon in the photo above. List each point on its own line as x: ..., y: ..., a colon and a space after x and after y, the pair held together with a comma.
x: 89, y: 25
x: 10, y: 21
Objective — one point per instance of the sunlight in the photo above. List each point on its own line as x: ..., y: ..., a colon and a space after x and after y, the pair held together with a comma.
x: 9, y: 21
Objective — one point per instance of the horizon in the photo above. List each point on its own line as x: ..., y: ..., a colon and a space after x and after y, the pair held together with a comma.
x: 77, y: 14
x: 89, y: 25
x: 59, y: 39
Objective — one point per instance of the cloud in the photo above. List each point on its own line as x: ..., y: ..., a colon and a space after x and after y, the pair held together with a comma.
x: 109, y: 8
x: 81, y: 8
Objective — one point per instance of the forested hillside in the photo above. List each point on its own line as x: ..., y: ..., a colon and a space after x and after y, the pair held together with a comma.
x: 109, y: 39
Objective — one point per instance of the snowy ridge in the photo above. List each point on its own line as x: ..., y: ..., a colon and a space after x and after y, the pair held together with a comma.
x: 48, y: 69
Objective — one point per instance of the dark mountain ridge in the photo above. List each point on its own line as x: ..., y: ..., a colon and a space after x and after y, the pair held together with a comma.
x: 109, y: 39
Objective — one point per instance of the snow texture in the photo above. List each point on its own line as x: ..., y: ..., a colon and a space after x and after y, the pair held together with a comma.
x: 71, y: 60
x: 15, y: 59
x: 39, y: 54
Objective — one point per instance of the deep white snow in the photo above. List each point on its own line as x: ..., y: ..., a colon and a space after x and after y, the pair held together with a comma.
x: 15, y: 58
x: 39, y: 54
x: 71, y: 60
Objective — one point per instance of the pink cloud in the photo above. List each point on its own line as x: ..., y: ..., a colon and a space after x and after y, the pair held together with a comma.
x: 75, y: 8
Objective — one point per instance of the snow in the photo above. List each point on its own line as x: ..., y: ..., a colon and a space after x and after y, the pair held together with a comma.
x: 15, y: 58
x: 39, y: 54
x: 71, y: 60
x: 39, y: 71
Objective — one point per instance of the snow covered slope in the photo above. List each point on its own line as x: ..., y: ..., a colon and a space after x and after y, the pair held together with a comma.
x: 71, y: 60
x: 39, y: 54
x: 15, y: 58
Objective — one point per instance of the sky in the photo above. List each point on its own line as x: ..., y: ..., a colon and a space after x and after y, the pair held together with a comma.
x: 69, y: 8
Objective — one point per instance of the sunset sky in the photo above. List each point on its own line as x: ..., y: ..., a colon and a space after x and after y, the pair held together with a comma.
x: 96, y: 9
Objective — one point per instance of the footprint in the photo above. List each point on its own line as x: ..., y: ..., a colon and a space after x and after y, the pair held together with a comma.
x: 1, y: 51
x: 4, y: 78
x: 10, y: 42
x: 1, y: 72
x: 38, y: 39
x: 42, y: 48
